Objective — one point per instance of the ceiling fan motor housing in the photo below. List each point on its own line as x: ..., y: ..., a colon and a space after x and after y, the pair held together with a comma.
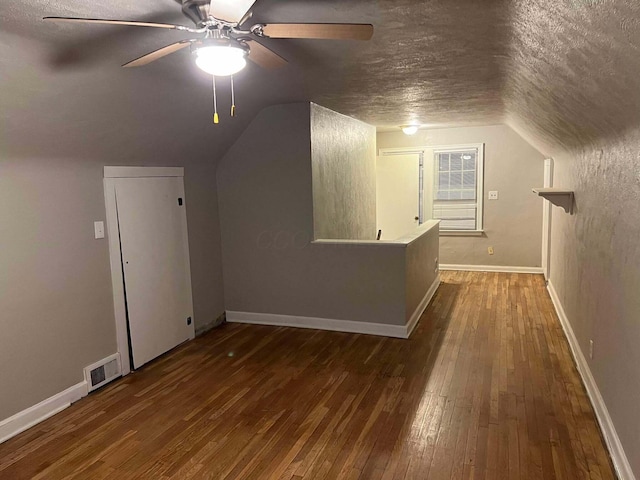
x: 219, y: 42
x: 196, y: 10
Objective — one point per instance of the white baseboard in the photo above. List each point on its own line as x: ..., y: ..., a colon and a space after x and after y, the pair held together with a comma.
x: 492, y: 268
x: 25, y: 419
x: 413, y: 321
x: 348, y: 326
x: 331, y: 324
x: 620, y: 461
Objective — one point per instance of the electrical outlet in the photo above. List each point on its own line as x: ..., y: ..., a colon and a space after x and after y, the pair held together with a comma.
x: 436, y: 265
x: 591, y: 349
x: 490, y: 250
x: 493, y: 195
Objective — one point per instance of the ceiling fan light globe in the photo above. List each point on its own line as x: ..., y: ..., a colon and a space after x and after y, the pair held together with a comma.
x: 221, y: 61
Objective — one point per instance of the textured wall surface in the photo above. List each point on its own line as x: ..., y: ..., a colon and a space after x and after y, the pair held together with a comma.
x: 573, y: 89
x: 572, y: 73
x: 343, y: 163
x: 433, y: 62
x: 513, y: 223
x: 436, y: 62
x: 595, y: 268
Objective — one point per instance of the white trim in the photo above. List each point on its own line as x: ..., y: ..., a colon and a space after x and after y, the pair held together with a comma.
x: 334, y: 325
x: 480, y: 147
x: 620, y: 461
x: 136, y: 172
x: 25, y: 419
x: 492, y: 268
x: 461, y: 233
x: 403, y: 241
x: 390, y: 152
x: 422, y: 306
x: 112, y: 174
x: 117, y: 287
x: 359, y: 243
x: 546, y: 220
x: 404, y: 150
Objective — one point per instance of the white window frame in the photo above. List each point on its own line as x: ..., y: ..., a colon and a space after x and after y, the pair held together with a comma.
x: 479, y: 176
x: 479, y: 147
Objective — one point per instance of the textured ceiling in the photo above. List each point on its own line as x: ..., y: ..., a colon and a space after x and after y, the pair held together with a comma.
x: 573, y: 76
x: 564, y: 73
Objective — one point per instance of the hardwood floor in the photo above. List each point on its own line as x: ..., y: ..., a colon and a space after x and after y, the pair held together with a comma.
x: 484, y: 389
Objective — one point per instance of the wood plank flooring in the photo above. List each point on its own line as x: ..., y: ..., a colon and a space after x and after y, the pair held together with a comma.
x: 484, y: 389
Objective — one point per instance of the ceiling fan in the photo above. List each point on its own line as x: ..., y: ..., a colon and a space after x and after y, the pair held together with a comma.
x: 224, y: 43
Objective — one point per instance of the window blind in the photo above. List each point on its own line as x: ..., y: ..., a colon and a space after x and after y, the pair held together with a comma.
x: 456, y: 185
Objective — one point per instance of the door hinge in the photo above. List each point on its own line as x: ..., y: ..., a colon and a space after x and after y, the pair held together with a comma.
x: 188, y: 320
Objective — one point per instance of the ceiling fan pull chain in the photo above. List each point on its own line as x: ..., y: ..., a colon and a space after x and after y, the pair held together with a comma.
x: 233, y: 99
x: 215, y: 101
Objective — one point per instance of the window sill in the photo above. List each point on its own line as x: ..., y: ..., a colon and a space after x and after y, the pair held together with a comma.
x: 461, y: 233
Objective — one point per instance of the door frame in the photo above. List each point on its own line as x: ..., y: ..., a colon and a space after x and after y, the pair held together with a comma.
x: 424, y: 163
x: 546, y: 220
x: 390, y: 152
x: 111, y: 175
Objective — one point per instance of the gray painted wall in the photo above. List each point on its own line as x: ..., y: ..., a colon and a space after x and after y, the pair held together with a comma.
x: 420, y: 267
x: 266, y: 215
x: 513, y: 223
x: 57, y: 132
x: 595, y: 269
x: 266, y: 211
x: 343, y: 154
x: 55, y: 289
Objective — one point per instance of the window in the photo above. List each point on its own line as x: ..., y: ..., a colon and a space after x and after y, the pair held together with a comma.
x: 441, y: 182
x: 457, y: 192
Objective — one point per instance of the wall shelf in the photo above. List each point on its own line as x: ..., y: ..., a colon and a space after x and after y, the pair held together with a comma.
x: 557, y: 196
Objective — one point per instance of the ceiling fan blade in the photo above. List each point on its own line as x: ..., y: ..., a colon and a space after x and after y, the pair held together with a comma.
x: 328, y: 31
x: 264, y: 56
x: 117, y: 22
x: 156, y: 54
x: 231, y: 11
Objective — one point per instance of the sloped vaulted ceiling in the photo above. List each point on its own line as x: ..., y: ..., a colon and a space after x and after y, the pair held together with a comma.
x: 438, y: 62
x: 573, y: 74
x: 562, y: 72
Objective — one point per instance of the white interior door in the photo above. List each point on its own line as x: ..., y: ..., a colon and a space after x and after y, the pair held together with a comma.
x: 152, y: 220
x: 397, y: 194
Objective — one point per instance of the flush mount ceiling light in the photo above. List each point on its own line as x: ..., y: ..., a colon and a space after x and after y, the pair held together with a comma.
x: 410, y: 129
x: 221, y: 60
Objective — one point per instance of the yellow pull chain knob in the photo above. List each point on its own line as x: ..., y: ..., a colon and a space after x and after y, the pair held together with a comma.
x: 233, y: 110
x: 215, y: 118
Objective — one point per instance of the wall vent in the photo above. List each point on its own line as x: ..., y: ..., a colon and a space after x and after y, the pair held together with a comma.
x: 102, y: 372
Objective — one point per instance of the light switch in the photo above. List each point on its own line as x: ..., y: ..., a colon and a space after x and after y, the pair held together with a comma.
x: 98, y: 228
x: 493, y: 195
